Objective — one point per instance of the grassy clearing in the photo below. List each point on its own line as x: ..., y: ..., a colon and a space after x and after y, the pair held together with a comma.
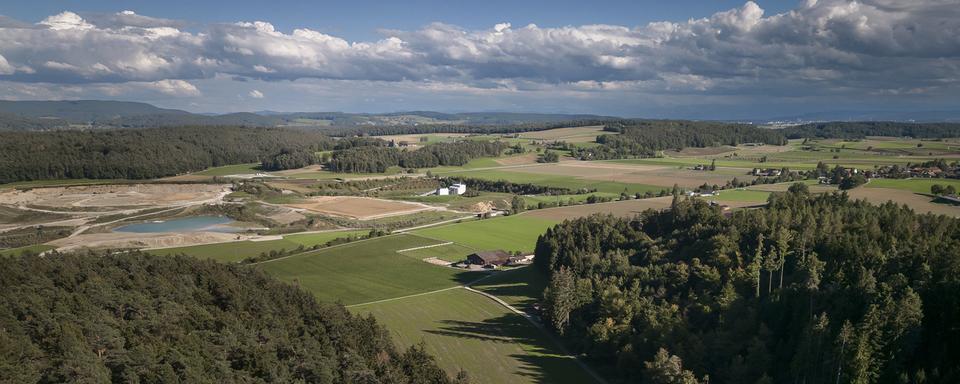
x: 742, y: 195
x: 913, y: 185
x: 534, y: 200
x: 366, y: 271
x: 465, y: 330
x: 311, y: 239
x: 236, y: 169
x: 64, y: 183
x: 22, y: 250
x: 240, y: 250
x: 451, y: 252
x: 512, y: 233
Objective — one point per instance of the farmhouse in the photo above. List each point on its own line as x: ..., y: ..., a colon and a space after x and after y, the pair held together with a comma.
x: 497, y: 257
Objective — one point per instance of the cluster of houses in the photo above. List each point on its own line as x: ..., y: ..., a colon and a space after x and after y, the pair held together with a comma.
x: 896, y: 171
x: 494, y: 259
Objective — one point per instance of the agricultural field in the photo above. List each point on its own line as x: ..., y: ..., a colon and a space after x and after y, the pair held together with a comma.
x: 570, y: 135
x: 449, y: 252
x: 511, y: 233
x: 27, y: 249
x: 465, y: 330
x: 519, y: 287
x: 367, y: 270
x: 918, y: 202
x: 914, y: 185
x: 626, y: 208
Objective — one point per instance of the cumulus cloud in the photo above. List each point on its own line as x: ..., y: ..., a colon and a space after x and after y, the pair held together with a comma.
x: 820, y: 46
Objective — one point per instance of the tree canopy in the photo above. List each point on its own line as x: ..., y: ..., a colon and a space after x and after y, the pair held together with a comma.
x: 807, y: 289
x: 149, y: 319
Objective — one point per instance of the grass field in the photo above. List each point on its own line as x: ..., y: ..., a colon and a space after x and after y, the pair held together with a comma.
x: 451, y: 252
x: 236, y: 169
x: 742, y: 195
x: 511, y: 233
x: 21, y: 250
x: 521, y: 287
x: 366, y: 271
x: 239, y: 250
x: 912, y: 185
x: 465, y: 330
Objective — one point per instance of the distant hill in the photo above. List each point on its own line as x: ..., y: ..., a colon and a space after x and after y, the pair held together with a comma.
x: 42, y: 115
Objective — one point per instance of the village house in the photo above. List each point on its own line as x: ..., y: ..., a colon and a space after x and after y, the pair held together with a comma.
x: 485, y: 258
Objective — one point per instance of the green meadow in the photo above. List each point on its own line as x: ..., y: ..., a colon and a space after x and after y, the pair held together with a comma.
x: 465, y: 330
x: 367, y: 270
x: 511, y: 233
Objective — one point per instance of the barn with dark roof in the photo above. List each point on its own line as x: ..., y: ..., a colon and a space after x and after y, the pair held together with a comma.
x: 497, y: 257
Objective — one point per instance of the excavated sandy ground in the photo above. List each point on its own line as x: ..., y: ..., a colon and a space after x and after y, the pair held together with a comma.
x: 362, y: 208
x: 112, y: 195
x: 142, y: 240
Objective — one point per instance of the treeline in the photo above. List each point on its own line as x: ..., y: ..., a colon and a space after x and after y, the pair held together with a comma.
x: 859, y: 130
x: 144, y: 153
x: 504, y: 186
x: 141, y: 318
x: 289, y: 159
x: 376, y: 159
x: 645, y: 138
x: 492, y: 126
x: 806, y: 290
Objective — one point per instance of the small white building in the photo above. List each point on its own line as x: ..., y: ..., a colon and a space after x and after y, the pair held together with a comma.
x: 442, y: 191
x: 458, y: 189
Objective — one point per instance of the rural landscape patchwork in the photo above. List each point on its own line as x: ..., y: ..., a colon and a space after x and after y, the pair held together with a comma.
x: 145, y: 239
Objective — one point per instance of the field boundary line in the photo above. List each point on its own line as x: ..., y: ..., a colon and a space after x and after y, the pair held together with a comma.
x: 326, y: 248
x: 599, y: 379
x: 404, y: 297
x: 425, y: 246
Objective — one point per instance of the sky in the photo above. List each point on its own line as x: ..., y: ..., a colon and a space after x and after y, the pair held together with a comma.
x: 668, y: 59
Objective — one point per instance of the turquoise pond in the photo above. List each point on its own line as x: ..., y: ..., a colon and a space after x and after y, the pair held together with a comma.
x: 187, y: 224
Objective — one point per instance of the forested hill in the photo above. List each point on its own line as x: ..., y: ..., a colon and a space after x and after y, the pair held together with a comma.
x: 859, y: 130
x: 144, y: 153
x: 810, y: 289
x: 106, y: 114
x: 644, y: 138
x: 92, y: 318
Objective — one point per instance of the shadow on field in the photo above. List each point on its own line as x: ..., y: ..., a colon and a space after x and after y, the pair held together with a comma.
x: 540, y: 362
x: 467, y: 277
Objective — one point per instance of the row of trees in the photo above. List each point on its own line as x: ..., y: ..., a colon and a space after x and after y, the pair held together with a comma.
x: 140, y: 318
x: 645, y: 138
x: 376, y: 159
x: 860, y: 130
x: 810, y: 289
x: 144, y: 153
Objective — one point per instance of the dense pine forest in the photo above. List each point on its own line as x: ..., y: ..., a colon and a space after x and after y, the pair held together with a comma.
x: 138, y: 318
x: 374, y: 158
x: 859, y: 130
x: 146, y: 153
x: 811, y: 289
x: 644, y: 138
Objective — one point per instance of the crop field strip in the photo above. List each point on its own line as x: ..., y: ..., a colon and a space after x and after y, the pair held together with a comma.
x: 466, y: 330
